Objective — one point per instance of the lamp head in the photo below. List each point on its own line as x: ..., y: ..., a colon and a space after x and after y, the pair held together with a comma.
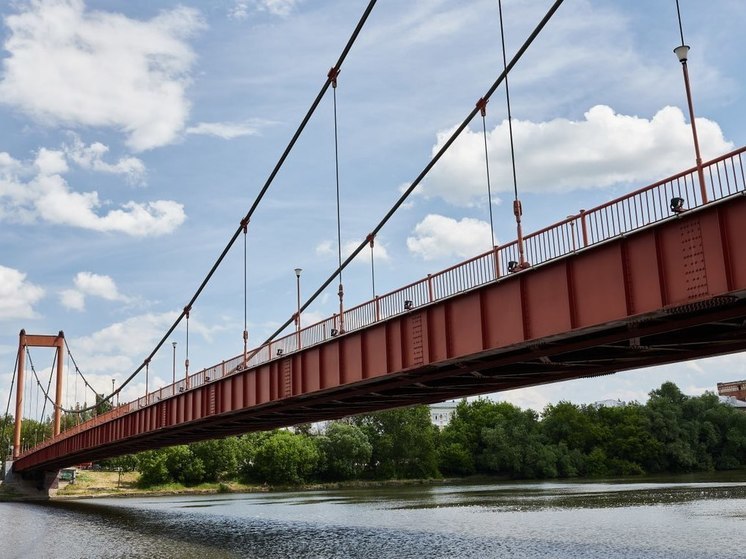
x: 682, y: 52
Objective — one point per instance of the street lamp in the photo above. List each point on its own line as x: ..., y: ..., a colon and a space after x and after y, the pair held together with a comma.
x: 297, y: 314
x: 112, y: 391
x: 682, y: 53
x: 174, y: 365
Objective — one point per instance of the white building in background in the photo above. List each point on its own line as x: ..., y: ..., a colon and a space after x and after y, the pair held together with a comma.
x: 442, y: 413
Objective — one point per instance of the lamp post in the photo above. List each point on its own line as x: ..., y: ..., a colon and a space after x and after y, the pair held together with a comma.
x: 174, y: 365
x: 297, y: 313
x: 112, y: 391
x: 682, y: 52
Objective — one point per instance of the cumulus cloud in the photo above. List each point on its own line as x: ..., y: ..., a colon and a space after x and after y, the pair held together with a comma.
x: 72, y: 299
x: 39, y: 192
x: 603, y: 149
x: 224, y: 130
x: 438, y: 236
x: 17, y: 295
x: 91, y: 157
x: 77, y: 67
x: 329, y: 248
x: 241, y: 9
x: 94, y: 285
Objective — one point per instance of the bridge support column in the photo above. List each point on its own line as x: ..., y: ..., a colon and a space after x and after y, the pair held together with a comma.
x: 59, y: 343
x: 24, y: 341
x: 40, y: 485
x: 19, y: 394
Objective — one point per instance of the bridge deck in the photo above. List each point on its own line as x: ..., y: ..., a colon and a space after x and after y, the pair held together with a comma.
x: 627, y: 284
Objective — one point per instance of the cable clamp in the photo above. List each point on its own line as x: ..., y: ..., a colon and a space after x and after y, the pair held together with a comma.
x: 370, y: 238
x: 482, y: 106
x: 332, y: 75
x: 245, y: 224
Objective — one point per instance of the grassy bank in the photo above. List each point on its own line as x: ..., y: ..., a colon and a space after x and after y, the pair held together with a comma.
x: 108, y: 484
x: 89, y: 483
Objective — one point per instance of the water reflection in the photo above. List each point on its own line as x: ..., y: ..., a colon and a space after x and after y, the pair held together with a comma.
x: 529, y: 520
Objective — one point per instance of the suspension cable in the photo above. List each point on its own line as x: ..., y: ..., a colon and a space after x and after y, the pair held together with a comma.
x: 371, y: 240
x: 245, y: 226
x: 186, y: 361
x: 482, y: 105
x: 517, y: 208
x: 49, y: 385
x: 78, y: 371
x: 681, y: 28
x: 255, y: 204
x: 333, y: 74
x: 29, y: 383
x: 454, y: 135
x: 4, y: 448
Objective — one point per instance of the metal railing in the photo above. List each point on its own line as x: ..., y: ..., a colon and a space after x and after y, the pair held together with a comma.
x: 724, y: 177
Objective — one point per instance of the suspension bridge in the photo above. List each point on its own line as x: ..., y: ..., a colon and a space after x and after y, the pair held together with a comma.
x: 656, y: 276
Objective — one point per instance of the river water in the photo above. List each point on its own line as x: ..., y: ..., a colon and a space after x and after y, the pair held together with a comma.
x: 680, y: 519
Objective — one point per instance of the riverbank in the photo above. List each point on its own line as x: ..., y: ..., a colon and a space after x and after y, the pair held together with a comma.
x: 90, y: 483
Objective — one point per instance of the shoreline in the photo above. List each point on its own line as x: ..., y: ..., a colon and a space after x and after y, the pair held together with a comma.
x: 101, y: 485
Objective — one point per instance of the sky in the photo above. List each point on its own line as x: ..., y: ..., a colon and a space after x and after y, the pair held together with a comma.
x: 135, y: 135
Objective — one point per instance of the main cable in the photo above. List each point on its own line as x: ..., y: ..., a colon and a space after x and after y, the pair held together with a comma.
x: 457, y: 132
x: 254, y: 206
x: 3, y: 449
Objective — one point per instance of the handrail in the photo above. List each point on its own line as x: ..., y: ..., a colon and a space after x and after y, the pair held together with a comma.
x: 725, y: 176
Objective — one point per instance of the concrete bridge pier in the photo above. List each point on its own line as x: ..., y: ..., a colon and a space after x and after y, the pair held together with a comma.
x: 39, y: 485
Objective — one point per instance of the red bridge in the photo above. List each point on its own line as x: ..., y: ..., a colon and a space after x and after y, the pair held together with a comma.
x: 657, y: 276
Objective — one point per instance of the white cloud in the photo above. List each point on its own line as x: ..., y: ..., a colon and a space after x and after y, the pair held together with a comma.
x: 438, y: 236
x: 94, y: 285
x: 72, y: 299
x: 329, y: 248
x: 98, y: 285
x: 46, y: 196
x: 93, y: 68
x: 17, y: 296
x: 224, y: 130
x: 91, y: 158
x: 241, y: 9
x: 605, y: 148
x: 51, y: 162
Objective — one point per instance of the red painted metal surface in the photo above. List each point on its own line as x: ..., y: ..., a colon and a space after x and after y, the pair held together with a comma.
x: 646, y: 290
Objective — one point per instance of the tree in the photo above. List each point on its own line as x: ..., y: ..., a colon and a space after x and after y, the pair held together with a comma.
x: 218, y: 456
x: 285, y: 458
x: 404, y: 443
x: 461, y: 441
x: 344, y: 451
x: 153, y: 468
x: 124, y: 463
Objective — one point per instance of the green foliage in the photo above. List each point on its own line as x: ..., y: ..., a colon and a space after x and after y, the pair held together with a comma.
x: 404, y: 443
x: 284, y: 458
x: 344, y: 452
x: 153, y: 468
x: 125, y: 463
x: 218, y: 456
x: 672, y: 432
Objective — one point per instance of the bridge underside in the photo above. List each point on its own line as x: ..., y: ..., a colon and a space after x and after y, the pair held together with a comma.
x: 664, y: 294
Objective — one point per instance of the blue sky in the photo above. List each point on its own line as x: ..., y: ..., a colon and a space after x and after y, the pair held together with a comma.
x: 135, y: 136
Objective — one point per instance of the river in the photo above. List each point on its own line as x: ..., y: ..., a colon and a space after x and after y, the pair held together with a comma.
x: 679, y: 519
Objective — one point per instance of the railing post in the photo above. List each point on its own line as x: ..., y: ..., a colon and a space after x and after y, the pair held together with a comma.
x: 430, y: 288
x: 496, y: 261
x: 378, y: 309
x: 584, y: 227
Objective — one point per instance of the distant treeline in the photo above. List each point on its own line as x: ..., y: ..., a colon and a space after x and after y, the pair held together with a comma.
x: 670, y: 433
